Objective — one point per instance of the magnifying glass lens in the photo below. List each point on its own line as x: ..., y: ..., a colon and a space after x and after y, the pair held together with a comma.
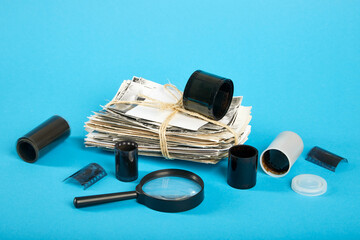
x: 171, y: 188
x: 166, y: 190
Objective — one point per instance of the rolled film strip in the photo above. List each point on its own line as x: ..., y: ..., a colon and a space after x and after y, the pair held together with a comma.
x: 324, y: 158
x: 88, y: 175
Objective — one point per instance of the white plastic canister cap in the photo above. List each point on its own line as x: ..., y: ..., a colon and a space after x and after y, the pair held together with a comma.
x: 309, y: 185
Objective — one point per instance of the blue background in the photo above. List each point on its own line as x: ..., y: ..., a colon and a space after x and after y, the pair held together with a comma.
x: 296, y: 62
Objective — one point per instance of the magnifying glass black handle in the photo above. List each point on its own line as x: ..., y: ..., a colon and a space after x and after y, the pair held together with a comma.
x: 86, y: 201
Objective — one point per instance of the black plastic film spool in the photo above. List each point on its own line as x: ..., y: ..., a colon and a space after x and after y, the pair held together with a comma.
x: 43, y: 138
x: 208, y: 94
x: 126, y: 161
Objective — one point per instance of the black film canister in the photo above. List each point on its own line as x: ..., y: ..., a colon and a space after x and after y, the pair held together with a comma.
x: 42, y: 138
x: 208, y: 94
x: 126, y: 161
x: 242, y: 166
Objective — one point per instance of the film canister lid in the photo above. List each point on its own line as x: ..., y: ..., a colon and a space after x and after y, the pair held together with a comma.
x: 208, y: 94
x: 309, y: 185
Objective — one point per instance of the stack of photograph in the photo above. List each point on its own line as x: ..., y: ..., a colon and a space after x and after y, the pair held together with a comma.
x: 188, y: 137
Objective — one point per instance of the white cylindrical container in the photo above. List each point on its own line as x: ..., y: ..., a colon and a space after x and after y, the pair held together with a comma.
x: 282, y: 153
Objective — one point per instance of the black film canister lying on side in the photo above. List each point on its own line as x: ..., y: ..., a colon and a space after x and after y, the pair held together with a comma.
x: 242, y: 166
x: 208, y: 94
x: 42, y: 138
x: 126, y: 161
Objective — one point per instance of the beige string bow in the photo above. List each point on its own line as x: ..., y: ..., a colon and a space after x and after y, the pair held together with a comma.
x: 175, y: 107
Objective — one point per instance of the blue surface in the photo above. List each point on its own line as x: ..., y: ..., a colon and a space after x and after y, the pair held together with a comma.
x: 296, y: 62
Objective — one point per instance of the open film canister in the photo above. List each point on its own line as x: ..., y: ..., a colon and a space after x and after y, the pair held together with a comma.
x: 282, y: 153
x: 242, y: 166
x: 208, y: 94
x: 126, y: 161
x: 167, y: 190
x: 43, y: 138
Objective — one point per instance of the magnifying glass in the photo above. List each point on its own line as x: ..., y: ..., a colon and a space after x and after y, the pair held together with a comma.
x: 167, y: 190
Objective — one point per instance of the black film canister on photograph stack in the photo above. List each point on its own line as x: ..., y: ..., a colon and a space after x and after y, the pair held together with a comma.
x: 242, y: 166
x: 126, y: 161
x: 43, y: 138
x: 208, y: 94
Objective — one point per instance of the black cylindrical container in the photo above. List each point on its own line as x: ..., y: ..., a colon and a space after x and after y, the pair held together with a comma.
x: 42, y: 138
x: 126, y: 161
x: 208, y: 94
x: 242, y: 166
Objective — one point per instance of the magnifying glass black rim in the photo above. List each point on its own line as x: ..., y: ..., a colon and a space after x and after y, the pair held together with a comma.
x: 170, y: 205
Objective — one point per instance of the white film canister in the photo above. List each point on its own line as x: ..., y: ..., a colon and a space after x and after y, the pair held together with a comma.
x: 282, y: 153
